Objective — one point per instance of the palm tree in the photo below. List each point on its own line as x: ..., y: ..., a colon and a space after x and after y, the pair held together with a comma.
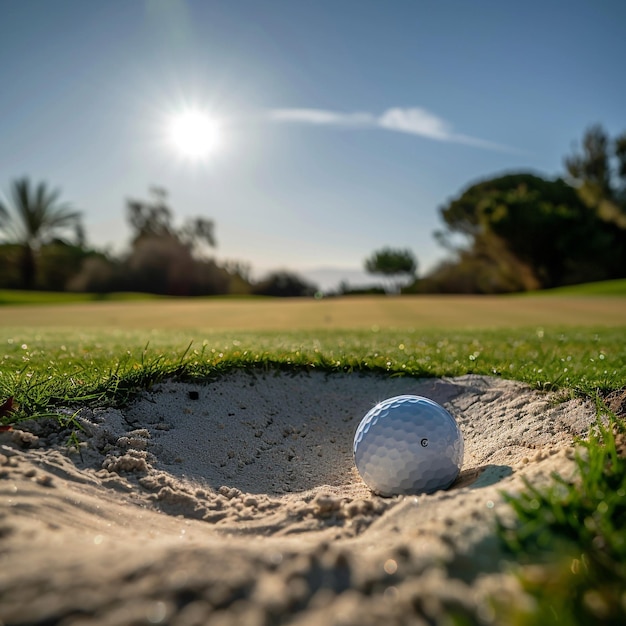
x: 36, y: 218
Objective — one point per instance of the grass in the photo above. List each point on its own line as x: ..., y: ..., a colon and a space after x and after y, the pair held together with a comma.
x: 350, y: 313
x: 89, y: 356
x: 45, y: 367
x: 569, y: 539
x: 600, y: 288
x: 21, y: 297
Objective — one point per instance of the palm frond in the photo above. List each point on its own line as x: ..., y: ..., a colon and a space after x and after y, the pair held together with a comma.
x: 38, y: 213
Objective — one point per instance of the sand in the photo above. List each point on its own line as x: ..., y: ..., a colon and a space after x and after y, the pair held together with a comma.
x: 237, y: 502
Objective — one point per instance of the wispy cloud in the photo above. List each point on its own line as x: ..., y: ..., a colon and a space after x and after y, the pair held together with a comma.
x: 413, y: 121
x: 322, y: 117
x: 416, y: 122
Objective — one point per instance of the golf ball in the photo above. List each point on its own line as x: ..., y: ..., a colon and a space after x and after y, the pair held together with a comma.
x: 408, y: 445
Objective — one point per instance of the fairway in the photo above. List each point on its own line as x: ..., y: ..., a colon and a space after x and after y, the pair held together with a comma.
x: 460, y: 312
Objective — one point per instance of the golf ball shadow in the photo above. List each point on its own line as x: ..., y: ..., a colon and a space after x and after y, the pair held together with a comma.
x: 408, y: 445
x: 483, y: 476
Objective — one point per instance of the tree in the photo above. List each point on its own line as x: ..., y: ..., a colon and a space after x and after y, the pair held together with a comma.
x: 541, y: 224
x: 598, y: 171
x: 154, y: 219
x: 150, y: 219
x: 33, y: 218
x: 396, y: 266
x: 166, y: 258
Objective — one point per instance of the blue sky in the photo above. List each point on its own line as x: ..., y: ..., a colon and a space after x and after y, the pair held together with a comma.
x: 344, y: 124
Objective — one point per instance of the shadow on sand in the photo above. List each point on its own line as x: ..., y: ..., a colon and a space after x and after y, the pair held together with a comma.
x: 483, y: 476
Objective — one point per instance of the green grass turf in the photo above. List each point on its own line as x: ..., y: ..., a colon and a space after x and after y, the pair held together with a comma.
x: 600, y: 288
x: 568, y: 539
x: 571, y: 535
x: 47, y: 366
x: 22, y: 297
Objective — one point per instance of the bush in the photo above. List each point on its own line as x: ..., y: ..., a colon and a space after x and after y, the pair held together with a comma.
x: 488, y: 269
x: 10, y: 277
x: 160, y: 265
x: 284, y: 284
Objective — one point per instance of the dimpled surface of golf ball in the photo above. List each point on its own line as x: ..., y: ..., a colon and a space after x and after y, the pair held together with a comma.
x: 408, y: 445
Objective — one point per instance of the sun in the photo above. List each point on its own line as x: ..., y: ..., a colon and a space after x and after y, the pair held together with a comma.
x: 194, y: 134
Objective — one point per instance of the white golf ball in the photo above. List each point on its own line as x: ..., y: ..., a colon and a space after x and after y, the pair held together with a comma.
x: 408, y: 445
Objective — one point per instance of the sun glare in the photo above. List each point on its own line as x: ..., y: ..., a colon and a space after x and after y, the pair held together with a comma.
x: 194, y: 134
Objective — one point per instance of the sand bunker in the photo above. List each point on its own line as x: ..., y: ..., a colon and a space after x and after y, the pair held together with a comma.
x: 237, y: 502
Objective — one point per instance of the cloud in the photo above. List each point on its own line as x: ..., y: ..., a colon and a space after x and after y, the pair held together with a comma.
x: 416, y: 122
x: 322, y: 117
x: 412, y: 121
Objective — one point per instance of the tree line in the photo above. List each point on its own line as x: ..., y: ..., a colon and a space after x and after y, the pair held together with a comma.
x: 520, y: 231
x: 45, y: 249
x: 513, y: 232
